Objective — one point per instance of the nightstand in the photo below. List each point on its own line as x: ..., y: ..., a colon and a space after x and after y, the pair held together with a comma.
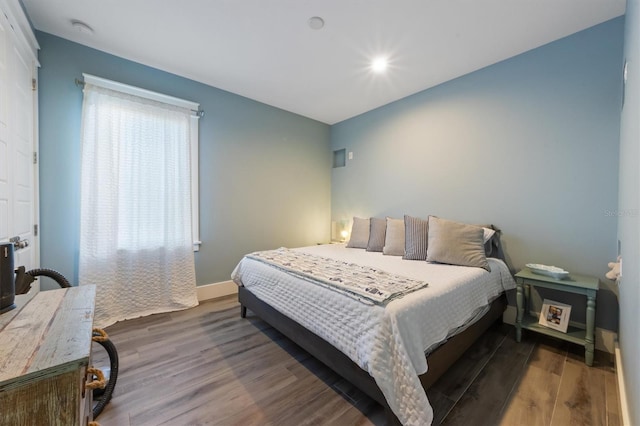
x: 574, y: 283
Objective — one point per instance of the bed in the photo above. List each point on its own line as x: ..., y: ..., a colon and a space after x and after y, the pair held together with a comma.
x: 380, y: 348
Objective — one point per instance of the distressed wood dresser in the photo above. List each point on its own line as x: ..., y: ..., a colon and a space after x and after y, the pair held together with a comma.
x: 45, y: 350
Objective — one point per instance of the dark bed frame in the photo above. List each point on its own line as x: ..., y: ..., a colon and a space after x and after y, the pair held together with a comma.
x: 439, y: 360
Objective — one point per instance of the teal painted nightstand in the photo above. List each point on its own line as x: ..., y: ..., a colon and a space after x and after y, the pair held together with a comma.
x: 574, y: 283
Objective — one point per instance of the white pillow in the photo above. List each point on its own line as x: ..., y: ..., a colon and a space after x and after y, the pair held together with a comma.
x: 488, y: 233
x: 359, y: 233
x: 394, y: 238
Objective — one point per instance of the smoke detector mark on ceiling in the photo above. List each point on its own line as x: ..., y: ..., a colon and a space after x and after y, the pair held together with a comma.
x: 81, y: 27
x: 316, y: 23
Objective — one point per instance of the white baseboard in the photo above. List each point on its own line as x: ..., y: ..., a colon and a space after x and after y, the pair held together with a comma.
x: 605, y: 339
x: 215, y: 290
x: 626, y: 419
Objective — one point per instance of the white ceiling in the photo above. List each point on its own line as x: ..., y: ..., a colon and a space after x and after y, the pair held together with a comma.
x: 265, y: 50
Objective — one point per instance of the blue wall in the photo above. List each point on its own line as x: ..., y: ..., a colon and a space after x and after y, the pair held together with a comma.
x: 529, y: 144
x: 629, y: 223
x: 264, y: 173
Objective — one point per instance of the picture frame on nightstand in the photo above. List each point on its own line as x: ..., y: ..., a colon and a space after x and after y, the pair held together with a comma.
x: 555, y: 315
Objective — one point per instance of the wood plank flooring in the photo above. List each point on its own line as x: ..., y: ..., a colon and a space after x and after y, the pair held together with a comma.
x: 207, y: 366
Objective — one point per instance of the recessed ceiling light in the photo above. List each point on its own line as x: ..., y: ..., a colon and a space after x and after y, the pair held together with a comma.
x: 379, y: 64
x: 81, y: 27
x: 316, y: 22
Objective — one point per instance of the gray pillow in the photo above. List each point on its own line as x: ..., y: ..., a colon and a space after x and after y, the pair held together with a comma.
x: 456, y: 243
x: 415, y: 238
x: 377, y: 233
x: 359, y: 233
x: 394, y: 238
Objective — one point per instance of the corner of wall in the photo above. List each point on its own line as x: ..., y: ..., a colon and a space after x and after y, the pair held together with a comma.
x: 216, y: 290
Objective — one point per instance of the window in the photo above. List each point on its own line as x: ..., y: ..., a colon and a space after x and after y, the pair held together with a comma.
x: 139, y: 127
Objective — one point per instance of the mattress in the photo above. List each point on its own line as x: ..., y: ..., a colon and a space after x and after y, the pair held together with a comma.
x: 389, y: 342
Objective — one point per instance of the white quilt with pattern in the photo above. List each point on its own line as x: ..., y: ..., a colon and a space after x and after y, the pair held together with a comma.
x: 387, y: 341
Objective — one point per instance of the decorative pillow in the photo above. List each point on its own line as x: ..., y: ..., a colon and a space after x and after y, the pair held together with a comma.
x: 487, y: 238
x: 456, y: 243
x: 490, y: 237
x: 377, y: 233
x: 394, y: 238
x: 487, y: 234
x: 415, y: 238
x: 359, y: 233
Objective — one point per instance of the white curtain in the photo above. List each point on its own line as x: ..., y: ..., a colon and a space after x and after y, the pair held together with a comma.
x: 135, y: 225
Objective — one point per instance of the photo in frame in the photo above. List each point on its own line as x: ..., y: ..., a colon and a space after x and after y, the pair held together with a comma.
x: 555, y: 315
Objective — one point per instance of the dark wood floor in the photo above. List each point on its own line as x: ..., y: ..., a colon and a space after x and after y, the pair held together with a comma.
x: 206, y: 365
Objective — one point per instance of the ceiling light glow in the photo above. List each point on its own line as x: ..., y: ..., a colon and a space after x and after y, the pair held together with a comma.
x: 379, y: 64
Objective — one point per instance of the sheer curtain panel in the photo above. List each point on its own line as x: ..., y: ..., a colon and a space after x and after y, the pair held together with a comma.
x: 135, y: 226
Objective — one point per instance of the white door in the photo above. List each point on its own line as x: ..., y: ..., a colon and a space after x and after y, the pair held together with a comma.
x: 17, y: 148
x: 5, y: 149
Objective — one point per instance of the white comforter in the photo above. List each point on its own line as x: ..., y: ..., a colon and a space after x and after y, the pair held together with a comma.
x: 388, y: 342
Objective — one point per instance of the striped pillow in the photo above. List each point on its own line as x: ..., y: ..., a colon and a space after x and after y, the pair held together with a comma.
x: 415, y: 238
x: 377, y: 233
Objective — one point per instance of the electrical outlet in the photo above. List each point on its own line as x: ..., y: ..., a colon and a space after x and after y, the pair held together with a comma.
x: 350, y: 155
